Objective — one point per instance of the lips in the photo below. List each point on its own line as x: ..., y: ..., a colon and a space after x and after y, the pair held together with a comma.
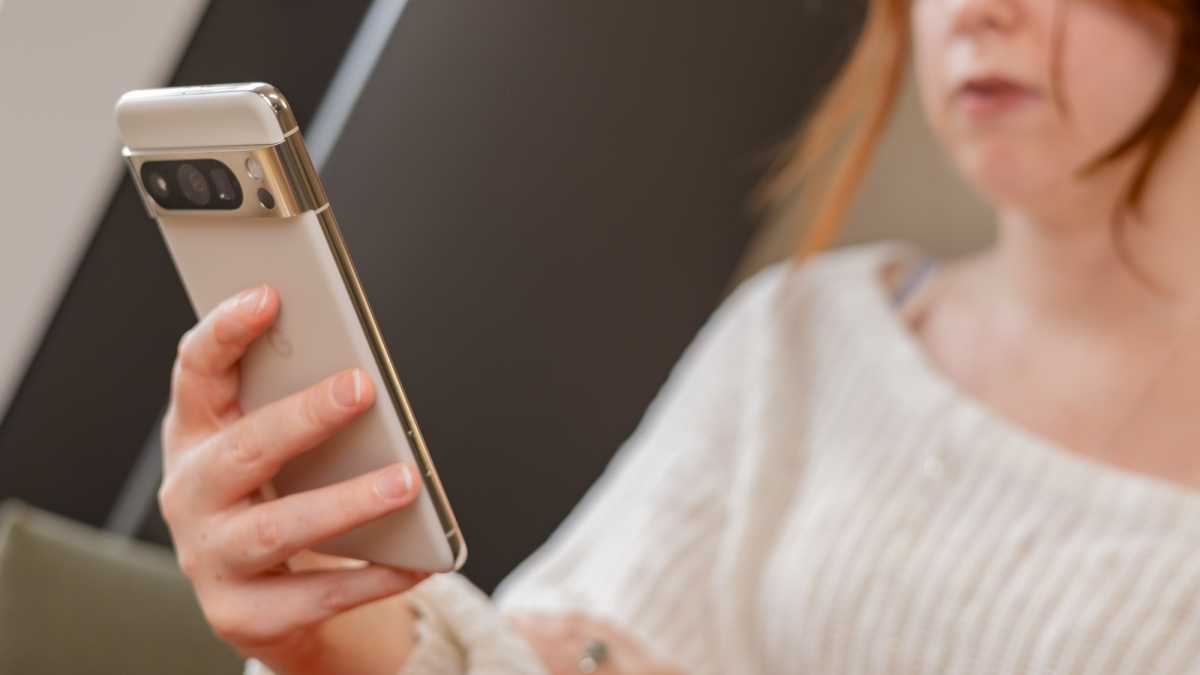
x: 993, y: 85
x: 992, y: 94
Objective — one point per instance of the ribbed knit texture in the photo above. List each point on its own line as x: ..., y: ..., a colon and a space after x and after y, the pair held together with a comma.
x: 807, y: 494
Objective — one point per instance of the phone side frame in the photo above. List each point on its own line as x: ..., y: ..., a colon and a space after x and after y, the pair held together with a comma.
x: 383, y: 361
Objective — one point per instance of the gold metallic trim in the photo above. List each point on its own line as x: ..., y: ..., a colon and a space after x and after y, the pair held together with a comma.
x: 424, y: 460
x: 279, y: 104
x: 299, y: 173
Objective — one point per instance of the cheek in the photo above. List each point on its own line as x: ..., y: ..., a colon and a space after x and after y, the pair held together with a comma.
x: 1114, y: 69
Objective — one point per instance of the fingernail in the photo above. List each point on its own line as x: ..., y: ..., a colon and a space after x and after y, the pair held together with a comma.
x: 347, y: 388
x: 395, y: 484
x: 254, y: 299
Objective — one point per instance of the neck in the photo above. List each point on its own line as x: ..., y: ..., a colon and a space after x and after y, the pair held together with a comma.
x: 1068, y: 261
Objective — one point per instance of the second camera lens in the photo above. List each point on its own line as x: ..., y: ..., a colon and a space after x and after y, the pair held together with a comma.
x: 194, y: 185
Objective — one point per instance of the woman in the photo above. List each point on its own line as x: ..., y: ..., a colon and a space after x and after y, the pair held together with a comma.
x: 865, y: 463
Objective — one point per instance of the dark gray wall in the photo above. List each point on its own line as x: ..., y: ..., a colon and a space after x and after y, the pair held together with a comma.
x: 545, y: 200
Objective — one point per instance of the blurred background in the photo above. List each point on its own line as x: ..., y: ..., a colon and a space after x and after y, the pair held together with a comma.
x: 545, y: 200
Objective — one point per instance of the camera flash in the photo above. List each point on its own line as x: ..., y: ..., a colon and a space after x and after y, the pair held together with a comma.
x: 254, y: 168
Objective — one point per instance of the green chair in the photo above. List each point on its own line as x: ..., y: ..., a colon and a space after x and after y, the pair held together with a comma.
x: 74, y: 599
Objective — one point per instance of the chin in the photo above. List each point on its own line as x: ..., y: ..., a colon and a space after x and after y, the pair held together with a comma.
x: 1010, y: 174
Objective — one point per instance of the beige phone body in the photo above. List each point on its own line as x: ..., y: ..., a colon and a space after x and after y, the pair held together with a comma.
x: 324, y: 325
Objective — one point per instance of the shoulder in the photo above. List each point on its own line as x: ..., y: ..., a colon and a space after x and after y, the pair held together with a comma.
x: 845, y: 276
x: 798, y: 313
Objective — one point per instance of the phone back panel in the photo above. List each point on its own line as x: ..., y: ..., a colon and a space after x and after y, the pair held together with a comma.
x: 320, y: 328
x: 316, y: 334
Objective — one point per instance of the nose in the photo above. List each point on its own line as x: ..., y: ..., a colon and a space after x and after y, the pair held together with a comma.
x: 979, y: 16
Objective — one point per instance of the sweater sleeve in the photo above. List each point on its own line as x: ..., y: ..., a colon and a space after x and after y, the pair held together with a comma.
x: 459, y: 633
x: 639, y: 549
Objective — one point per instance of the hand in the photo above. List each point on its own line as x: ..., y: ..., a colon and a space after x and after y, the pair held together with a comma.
x: 560, y: 641
x: 236, y: 550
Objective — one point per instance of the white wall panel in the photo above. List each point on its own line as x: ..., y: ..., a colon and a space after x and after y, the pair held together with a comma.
x: 62, y: 66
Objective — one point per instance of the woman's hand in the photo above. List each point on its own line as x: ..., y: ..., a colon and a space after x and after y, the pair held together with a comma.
x: 236, y: 549
x: 562, y: 640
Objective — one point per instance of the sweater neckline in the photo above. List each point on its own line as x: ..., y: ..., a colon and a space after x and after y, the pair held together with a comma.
x: 978, y: 438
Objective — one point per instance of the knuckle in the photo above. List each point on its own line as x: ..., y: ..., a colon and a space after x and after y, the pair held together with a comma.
x: 169, y: 434
x: 227, y: 328
x: 188, y: 562
x: 244, y: 450
x: 574, y: 624
x: 313, y: 408
x: 177, y: 372
x: 167, y: 496
x: 268, y: 536
x: 335, y: 596
x: 561, y: 630
x: 183, y: 382
x: 184, y: 345
x: 356, y: 500
x: 535, y: 627
x: 228, y: 623
x: 178, y: 380
x: 185, y: 351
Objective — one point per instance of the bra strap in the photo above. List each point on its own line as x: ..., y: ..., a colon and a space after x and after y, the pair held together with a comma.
x: 913, y: 281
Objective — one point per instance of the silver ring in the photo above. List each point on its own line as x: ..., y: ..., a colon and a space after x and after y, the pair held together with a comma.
x: 594, y: 655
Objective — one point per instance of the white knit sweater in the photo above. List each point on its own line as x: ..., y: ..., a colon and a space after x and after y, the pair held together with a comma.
x: 807, y: 494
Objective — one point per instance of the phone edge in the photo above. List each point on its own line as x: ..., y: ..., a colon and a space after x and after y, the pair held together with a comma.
x: 301, y: 163
x: 383, y: 360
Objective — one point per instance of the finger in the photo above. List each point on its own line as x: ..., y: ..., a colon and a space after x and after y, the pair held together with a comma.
x: 547, y: 637
x: 311, y: 561
x: 204, y: 381
x: 619, y: 640
x: 571, y: 632
x: 246, y: 454
x: 299, y: 600
x: 265, y: 535
x: 624, y: 653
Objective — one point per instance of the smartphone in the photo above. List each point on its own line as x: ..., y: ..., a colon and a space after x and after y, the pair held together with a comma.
x: 224, y: 171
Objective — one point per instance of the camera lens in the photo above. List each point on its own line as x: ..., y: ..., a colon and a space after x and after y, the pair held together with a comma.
x: 157, y: 183
x: 225, y: 191
x: 266, y: 199
x: 194, y: 185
